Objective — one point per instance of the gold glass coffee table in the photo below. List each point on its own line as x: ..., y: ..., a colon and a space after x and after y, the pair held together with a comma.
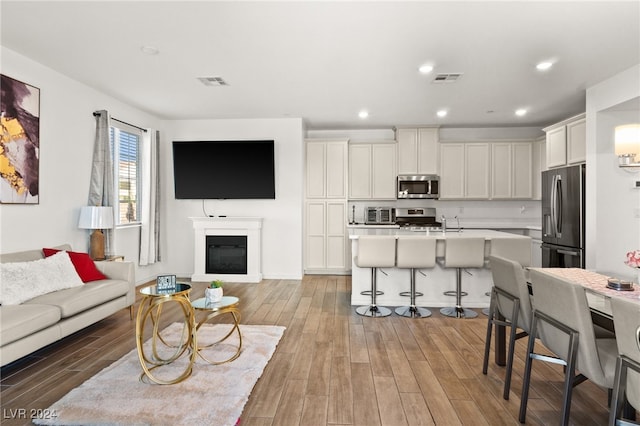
x: 207, y: 311
x: 164, y: 352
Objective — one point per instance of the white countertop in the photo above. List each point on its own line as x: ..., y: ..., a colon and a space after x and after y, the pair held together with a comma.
x: 488, y: 234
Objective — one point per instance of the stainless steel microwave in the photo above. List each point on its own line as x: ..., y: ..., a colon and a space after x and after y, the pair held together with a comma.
x: 418, y: 186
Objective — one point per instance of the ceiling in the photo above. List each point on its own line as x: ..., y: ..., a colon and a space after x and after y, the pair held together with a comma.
x: 326, y: 61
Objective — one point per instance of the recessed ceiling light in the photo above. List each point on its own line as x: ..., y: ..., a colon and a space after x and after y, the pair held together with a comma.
x: 520, y: 112
x: 363, y: 114
x: 425, y: 69
x: 543, y: 66
x: 149, y: 50
x: 442, y: 113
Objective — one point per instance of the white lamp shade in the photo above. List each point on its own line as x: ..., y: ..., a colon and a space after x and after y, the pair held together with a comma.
x: 627, y: 139
x: 96, y: 217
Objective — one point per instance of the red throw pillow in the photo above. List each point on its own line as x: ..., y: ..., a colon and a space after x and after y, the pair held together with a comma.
x: 84, y: 265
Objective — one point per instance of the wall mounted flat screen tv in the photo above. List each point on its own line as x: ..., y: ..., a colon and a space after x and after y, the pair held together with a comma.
x: 224, y: 169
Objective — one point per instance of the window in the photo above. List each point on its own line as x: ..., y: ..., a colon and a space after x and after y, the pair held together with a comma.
x: 125, y: 145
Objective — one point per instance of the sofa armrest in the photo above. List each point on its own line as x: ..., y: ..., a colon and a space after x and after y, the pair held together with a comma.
x: 120, y: 271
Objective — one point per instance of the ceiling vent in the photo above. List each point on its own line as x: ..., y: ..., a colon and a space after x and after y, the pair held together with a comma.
x: 213, y: 81
x: 447, y: 78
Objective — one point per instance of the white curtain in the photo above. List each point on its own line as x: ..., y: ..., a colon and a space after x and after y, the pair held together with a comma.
x: 150, y: 211
x: 101, y: 186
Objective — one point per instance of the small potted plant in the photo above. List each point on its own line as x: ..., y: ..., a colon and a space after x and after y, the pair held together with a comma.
x: 213, y: 293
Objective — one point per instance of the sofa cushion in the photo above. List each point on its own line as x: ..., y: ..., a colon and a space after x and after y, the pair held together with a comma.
x: 22, y: 281
x: 83, y: 263
x: 18, y: 321
x: 74, y: 300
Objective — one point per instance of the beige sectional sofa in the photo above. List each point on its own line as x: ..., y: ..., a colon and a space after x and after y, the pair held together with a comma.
x: 47, y: 318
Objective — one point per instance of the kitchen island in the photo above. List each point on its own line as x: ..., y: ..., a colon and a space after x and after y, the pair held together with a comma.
x: 435, y: 281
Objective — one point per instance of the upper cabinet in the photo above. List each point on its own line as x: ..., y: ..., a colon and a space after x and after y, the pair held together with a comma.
x: 418, y: 151
x: 326, y: 169
x: 511, y: 170
x: 372, y: 171
x: 539, y: 164
x: 464, y: 170
x: 566, y: 142
x: 486, y: 170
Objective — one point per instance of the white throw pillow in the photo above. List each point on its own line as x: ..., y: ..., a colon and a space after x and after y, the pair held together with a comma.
x: 21, y: 281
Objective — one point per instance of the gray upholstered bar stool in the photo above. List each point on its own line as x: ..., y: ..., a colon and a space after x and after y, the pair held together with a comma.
x: 415, y: 252
x: 462, y: 253
x: 375, y: 251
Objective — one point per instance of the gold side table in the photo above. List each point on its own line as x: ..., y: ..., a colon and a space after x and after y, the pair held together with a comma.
x: 228, y: 305
x: 150, y: 310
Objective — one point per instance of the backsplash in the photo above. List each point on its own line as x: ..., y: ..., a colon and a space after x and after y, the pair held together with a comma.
x: 470, y: 213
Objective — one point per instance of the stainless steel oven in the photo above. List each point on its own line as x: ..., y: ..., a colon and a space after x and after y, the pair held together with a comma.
x: 418, y: 186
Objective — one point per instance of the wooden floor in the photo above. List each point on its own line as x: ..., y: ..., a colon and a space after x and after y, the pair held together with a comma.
x: 332, y: 367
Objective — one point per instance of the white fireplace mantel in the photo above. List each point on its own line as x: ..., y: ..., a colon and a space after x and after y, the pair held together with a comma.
x: 251, y: 227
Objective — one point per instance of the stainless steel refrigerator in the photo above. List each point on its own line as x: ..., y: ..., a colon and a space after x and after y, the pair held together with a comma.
x: 563, y: 212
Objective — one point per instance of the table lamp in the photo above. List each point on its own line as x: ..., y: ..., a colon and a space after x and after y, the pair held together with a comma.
x: 96, y: 218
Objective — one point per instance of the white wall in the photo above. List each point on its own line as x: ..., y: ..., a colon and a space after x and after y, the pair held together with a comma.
x: 612, y: 204
x: 67, y: 131
x: 282, y: 225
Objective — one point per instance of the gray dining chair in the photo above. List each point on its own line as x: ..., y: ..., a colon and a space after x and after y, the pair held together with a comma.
x: 626, y: 321
x: 510, y: 306
x: 562, y: 319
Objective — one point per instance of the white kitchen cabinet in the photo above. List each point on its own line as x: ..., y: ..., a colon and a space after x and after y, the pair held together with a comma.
x: 372, y: 171
x: 452, y: 171
x: 577, y: 141
x: 511, y: 170
x: 539, y: 164
x: 477, y: 173
x: 566, y: 142
x: 326, y: 169
x: 418, y: 151
x: 501, y: 170
x: 464, y: 170
x: 326, y: 237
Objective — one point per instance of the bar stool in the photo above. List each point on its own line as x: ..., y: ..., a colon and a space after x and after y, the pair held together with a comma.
x: 461, y: 253
x: 375, y: 251
x: 415, y: 253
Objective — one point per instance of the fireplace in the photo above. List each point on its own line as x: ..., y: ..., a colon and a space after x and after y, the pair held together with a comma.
x: 226, y: 254
x: 227, y: 248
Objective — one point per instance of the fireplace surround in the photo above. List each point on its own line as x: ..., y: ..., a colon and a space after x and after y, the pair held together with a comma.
x: 233, y: 237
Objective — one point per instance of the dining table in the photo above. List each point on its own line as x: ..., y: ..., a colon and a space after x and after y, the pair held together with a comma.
x: 599, y: 296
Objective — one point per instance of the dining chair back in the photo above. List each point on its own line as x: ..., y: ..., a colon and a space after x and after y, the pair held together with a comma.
x: 510, y: 306
x: 562, y: 319
x: 626, y: 320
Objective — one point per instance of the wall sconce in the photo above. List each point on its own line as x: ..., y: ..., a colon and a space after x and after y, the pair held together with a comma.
x: 627, y: 145
x: 96, y: 218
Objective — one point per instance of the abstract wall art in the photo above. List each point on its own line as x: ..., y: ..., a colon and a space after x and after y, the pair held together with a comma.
x: 19, y: 142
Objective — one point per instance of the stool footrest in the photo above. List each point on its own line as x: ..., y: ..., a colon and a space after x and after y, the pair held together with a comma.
x: 368, y: 292
x: 454, y: 293
x: 408, y: 294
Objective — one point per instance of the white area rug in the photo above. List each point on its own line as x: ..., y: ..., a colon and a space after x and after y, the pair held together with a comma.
x: 212, y: 395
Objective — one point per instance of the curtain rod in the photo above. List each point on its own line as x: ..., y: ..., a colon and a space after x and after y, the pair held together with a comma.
x: 96, y: 113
